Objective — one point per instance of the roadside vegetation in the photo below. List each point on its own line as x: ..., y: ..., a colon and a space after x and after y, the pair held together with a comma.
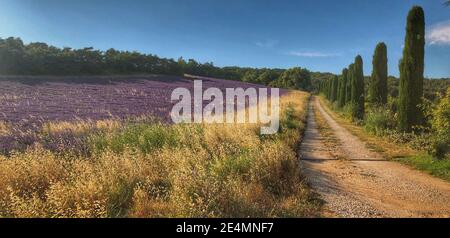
x: 145, y: 169
x: 405, y: 118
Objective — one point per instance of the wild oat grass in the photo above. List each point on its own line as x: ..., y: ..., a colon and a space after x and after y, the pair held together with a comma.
x: 80, y: 127
x: 154, y: 170
x: 4, y: 128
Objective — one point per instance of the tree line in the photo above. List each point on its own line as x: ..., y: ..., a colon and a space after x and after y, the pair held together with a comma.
x: 349, y: 87
x: 17, y: 58
x: 396, y: 102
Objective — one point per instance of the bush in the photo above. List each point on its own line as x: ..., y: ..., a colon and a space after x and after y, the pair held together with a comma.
x: 348, y: 109
x: 378, y: 120
x: 440, y: 125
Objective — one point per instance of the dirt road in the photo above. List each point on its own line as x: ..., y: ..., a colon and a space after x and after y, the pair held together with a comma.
x: 361, y: 183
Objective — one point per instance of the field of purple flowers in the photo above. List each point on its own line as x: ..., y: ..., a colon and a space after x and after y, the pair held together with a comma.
x: 28, y: 103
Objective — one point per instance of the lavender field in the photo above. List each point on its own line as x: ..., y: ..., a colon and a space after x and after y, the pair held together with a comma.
x: 30, y: 101
x: 27, y: 103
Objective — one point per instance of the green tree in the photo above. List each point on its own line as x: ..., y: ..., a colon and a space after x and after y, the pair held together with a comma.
x: 342, y: 88
x: 339, y: 84
x: 329, y: 88
x: 378, y: 85
x: 411, y: 71
x: 358, y: 89
x: 440, y: 125
x: 294, y: 78
x: 334, y: 88
x: 348, y: 90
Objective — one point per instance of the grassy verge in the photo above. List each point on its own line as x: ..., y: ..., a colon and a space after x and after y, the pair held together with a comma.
x: 390, y: 150
x: 145, y: 169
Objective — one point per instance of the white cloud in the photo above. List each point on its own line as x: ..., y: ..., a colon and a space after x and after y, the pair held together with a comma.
x: 267, y: 43
x: 313, y: 54
x: 439, y: 34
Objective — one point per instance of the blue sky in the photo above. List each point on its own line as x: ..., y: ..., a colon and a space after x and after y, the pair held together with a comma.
x: 322, y: 35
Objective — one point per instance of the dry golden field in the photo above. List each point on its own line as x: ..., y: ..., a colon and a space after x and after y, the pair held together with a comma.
x: 147, y: 169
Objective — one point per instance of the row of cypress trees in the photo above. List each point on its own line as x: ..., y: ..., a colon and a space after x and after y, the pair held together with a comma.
x: 348, y: 88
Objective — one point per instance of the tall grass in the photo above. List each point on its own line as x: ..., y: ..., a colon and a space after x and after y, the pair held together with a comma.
x: 379, y: 120
x: 153, y: 170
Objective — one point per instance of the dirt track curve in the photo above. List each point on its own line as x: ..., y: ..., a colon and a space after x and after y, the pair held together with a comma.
x: 364, y: 184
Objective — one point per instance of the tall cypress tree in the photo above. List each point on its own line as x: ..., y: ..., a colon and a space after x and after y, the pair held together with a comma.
x: 342, y: 88
x: 358, y: 89
x: 339, y: 84
x: 327, y: 91
x: 348, y: 90
x: 378, y: 84
x: 330, y: 88
x: 334, y: 88
x: 411, y: 71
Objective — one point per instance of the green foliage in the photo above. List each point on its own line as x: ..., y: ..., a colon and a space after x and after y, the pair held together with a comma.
x: 357, y: 95
x: 289, y: 121
x: 439, y: 168
x: 295, y: 78
x: 348, y: 90
x: 16, y: 58
x: 411, y: 71
x: 145, y: 137
x: 348, y: 110
x: 440, y: 125
x: 317, y: 79
x: 342, y: 88
x: 378, y: 83
x: 441, y: 116
x: 334, y: 88
x: 379, y: 120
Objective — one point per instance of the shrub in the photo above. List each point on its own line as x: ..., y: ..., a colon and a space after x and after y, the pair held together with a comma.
x: 440, y: 124
x: 378, y: 120
x: 348, y: 110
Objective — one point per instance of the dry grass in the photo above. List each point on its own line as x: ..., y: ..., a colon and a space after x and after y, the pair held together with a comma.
x: 152, y: 170
x: 80, y: 127
x: 4, y: 128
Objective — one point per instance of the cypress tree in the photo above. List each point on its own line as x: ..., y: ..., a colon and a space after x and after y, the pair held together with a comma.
x: 338, y: 94
x: 411, y: 71
x: 329, y: 88
x: 334, y: 89
x: 358, y: 89
x: 342, y: 88
x: 348, y: 90
x: 378, y: 84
